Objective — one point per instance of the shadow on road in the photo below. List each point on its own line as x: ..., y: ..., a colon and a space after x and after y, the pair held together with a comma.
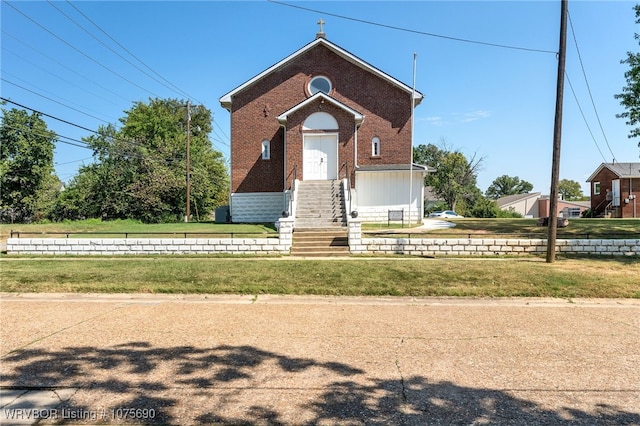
x: 138, y: 375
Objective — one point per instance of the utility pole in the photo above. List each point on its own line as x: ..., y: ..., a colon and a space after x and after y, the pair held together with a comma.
x: 186, y: 217
x: 557, y: 136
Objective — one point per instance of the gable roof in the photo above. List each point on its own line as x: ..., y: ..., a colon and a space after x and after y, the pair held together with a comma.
x: 512, y: 199
x: 282, y: 118
x: 226, y: 99
x: 622, y: 170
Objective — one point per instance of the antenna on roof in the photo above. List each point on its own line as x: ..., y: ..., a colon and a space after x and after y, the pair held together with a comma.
x: 320, y: 34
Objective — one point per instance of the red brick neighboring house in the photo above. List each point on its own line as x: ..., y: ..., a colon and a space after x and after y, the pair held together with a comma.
x: 614, y: 190
x: 322, y: 114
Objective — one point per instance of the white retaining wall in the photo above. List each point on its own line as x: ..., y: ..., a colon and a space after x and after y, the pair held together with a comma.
x: 483, y: 246
x: 121, y: 246
x: 282, y: 245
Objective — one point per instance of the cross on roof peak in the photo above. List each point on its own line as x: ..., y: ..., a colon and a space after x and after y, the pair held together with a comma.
x: 320, y: 34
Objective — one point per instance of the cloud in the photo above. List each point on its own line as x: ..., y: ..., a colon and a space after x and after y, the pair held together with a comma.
x: 474, y: 116
x: 456, y: 117
x: 434, y: 121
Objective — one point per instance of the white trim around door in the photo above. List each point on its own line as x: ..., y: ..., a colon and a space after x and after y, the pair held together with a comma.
x: 320, y: 156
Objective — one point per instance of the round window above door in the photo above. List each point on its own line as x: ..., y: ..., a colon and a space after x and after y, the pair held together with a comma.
x: 319, y: 83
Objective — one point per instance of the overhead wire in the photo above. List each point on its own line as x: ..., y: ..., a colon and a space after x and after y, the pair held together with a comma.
x: 52, y: 100
x: 392, y: 27
x: 589, y: 87
x: 23, y: 129
x: 584, y: 117
x: 64, y: 66
x: 130, y: 143
x: 167, y: 85
x: 80, y: 51
x: 38, y: 94
x: 112, y: 50
x: 133, y: 55
x: 71, y: 83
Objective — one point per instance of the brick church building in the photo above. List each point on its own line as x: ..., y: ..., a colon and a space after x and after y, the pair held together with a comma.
x: 323, y: 123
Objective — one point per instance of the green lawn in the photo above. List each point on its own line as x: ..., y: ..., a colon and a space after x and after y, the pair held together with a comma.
x: 525, y: 228
x: 399, y: 276
x: 402, y: 276
x: 97, y: 228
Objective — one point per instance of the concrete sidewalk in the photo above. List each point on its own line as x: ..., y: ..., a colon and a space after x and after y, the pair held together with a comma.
x: 152, y: 359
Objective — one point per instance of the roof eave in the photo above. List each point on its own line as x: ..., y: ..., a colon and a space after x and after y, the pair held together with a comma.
x: 226, y: 99
x: 358, y: 117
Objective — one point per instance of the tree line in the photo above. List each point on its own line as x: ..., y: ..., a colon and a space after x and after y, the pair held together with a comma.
x: 138, y: 172
x: 454, y: 183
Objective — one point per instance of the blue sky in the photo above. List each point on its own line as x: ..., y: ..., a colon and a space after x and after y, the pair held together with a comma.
x: 491, y: 102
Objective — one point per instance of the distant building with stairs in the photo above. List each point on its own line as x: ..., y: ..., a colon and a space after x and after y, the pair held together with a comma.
x: 322, y: 136
x: 614, y: 190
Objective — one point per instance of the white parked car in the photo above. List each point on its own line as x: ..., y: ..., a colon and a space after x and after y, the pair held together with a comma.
x: 445, y: 214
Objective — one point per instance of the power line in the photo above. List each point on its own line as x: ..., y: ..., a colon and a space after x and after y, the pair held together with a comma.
x: 133, y: 55
x: 130, y: 143
x: 464, y: 40
x: 33, y: 131
x: 64, y: 66
x: 79, y: 51
x: 52, y: 100
x: 55, y: 75
x: 51, y: 116
x: 109, y: 47
x: 74, y: 161
x: 589, y: 88
x: 584, y: 118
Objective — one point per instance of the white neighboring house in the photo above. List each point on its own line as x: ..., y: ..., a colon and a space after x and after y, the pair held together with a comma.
x: 535, y: 205
x: 528, y: 205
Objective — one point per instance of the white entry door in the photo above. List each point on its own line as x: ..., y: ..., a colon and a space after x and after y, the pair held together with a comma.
x: 320, y: 157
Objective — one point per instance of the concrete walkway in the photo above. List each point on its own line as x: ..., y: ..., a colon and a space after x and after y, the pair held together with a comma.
x: 152, y: 359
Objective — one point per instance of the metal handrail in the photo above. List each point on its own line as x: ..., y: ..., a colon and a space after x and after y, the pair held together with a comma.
x: 292, y: 190
x: 348, y: 178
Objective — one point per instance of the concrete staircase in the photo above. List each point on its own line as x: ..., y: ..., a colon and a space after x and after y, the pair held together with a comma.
x: 320, y: 205
x: 321, y: 220
x: 320, y: 242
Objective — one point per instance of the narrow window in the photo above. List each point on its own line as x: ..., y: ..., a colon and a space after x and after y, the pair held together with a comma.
x: 266, y: 150
x: 596, y: 188
x: 375, y: 147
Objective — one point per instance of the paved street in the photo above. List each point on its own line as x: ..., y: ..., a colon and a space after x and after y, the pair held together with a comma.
x: 176, y: 359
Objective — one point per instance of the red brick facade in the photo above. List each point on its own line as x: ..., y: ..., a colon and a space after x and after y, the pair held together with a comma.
x: 386, y: 108
x: 629, y: 187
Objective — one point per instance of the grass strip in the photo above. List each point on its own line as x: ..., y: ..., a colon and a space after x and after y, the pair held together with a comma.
x: 566, y: 278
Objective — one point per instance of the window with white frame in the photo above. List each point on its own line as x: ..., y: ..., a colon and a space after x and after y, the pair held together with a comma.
x: 319, y: 83
x: 596, y: 188
x: 266, y: 150
x: 375, y: 147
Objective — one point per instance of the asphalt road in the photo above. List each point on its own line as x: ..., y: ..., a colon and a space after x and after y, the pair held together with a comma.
x: 151, y: 359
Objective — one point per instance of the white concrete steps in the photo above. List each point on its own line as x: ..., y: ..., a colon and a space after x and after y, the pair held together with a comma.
x: 320, y: 205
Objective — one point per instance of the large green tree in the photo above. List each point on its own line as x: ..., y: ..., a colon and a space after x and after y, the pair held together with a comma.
x: 140, y: 169
x: 507, y: 185
x: 570, y: 190
x: 630, y: 96
x: 28, y: 183
x: 455, y: 177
